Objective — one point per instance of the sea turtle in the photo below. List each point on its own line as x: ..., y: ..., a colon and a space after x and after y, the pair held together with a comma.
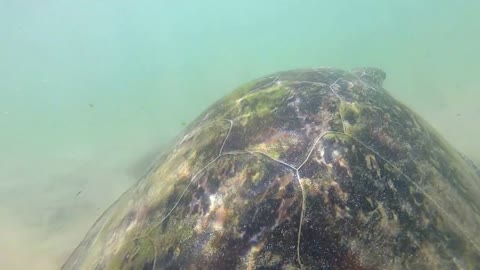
x: 304, y: 169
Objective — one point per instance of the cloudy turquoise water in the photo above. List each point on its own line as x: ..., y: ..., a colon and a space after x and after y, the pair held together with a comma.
x: 91, y: 91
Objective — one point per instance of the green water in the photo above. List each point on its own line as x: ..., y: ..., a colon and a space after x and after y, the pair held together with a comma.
x: 90, y: 91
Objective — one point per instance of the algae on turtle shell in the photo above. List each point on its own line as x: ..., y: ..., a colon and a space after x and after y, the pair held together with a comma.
x: 304, y: 169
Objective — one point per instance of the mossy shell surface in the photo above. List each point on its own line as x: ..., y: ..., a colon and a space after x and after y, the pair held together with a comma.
x: 304, y: 169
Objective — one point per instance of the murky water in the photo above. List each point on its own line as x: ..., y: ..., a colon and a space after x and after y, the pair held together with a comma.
x: 90, y: 91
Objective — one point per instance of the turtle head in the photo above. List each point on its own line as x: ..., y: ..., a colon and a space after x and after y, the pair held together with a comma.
x: 371, y: 75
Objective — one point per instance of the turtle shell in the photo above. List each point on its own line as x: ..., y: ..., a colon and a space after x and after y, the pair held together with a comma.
x: 304, y: 169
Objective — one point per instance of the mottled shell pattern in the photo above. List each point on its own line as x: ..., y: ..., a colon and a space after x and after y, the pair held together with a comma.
x: 304, y: 169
